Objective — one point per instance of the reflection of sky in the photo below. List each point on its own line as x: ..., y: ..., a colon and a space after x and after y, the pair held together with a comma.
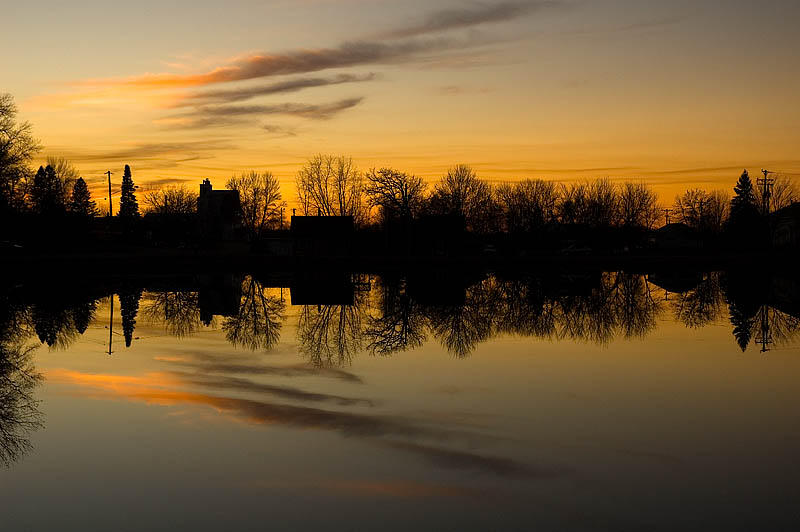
x: 677, y: 430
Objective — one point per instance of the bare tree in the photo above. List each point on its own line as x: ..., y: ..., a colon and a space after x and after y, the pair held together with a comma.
x: 17, y: 148
x: 592, y: 204
x: 170, y: 200
x: 528, y: 205
x: 784, y: 192
x: 66, y: 174
x: 461, y: 193
x: 260, y: 197
x: 638, y: 206
x: 703, y: 210
x: 573, y: 209
x: 331, y: 186
x: 397, y: 194
x: 603, y: 205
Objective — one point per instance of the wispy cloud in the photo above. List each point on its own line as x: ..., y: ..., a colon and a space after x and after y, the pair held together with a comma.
x: 287, y: 86
x: 222, y: 115
x: 473, y: 14
x: 264, y: 65
x: 402, y: 45
x: 279, y: 131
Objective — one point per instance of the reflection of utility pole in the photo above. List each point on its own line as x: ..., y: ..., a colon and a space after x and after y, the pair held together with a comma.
x: 666, y: 215
x: 111, y: 324
x: 109, y: 194
x: 764, y: 337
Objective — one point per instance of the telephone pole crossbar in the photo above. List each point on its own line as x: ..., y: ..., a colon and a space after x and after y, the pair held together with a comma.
x: 766, y: 184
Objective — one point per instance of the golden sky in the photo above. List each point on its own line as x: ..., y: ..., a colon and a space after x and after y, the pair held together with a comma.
x: 679, y: 94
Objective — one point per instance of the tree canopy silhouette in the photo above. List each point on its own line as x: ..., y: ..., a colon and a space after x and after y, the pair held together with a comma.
x: 260, y: 199
x: 331, y: 186
x: 128, y: 205
x: 17, y: 148
x: 170, y: 200
x: 396, y: 194
x: 81, y: 202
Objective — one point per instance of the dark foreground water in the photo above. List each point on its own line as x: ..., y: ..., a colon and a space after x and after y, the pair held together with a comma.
x: 603, y: 401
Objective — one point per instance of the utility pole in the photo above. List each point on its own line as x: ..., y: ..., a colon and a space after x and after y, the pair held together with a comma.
x: 110, y: 213
x: 766, y: 190
x: 666, y: 215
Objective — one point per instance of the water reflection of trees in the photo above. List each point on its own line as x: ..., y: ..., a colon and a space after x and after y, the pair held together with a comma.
x: 19, y: 410
x: 330, y: 334
x: 178, y: 311
x: 57, y: 325
x: 702, y: 305
x: 598, y: 310
x: 257, y: 324
x: 401, y: 312
x: 399, y: 325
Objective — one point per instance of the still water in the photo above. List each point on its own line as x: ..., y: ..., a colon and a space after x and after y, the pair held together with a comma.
x: 590, y: 401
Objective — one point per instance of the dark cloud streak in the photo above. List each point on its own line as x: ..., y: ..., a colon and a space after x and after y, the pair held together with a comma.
x: 223, y: 115
x: 292, y: 85
x: 473, y: 15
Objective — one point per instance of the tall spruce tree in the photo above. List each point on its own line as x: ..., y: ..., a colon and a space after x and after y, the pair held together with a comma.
x: 46, y: 193
x: 743, y: 203
x: 82, y: 203
x: 128, y: 206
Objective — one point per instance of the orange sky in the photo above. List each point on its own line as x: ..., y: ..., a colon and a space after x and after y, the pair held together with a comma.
x: 679, y: 94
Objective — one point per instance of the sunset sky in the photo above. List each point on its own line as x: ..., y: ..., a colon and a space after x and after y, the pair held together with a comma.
x: 678, y: 93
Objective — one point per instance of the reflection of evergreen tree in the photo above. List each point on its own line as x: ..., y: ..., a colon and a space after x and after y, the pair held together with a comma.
x: 129, y: 303
x: 83, y: 315
x: 742, y: 325
x: 53, y: 325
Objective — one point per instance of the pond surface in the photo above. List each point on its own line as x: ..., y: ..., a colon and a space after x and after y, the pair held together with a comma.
x: 602, y: 401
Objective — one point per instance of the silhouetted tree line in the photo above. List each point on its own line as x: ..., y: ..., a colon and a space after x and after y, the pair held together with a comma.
x: 529, y: 215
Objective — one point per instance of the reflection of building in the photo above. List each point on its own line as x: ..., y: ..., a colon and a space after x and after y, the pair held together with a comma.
x: 219, y: 212
x: 322, y: 236
x: 786, y: 224
x: 322, y: 287
x: 219, y: 295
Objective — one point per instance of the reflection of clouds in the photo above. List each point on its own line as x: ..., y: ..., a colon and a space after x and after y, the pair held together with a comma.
x: 398, y: 489
x: 209, y: 363
x: 228, y: 383
x: 396, y: 432
x: 455, y: 459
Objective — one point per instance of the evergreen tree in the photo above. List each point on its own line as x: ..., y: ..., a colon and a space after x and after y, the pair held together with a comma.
x: 81, y: 199
x: 128, y: 206
x: 743, y: 203
x: 46, y: 194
